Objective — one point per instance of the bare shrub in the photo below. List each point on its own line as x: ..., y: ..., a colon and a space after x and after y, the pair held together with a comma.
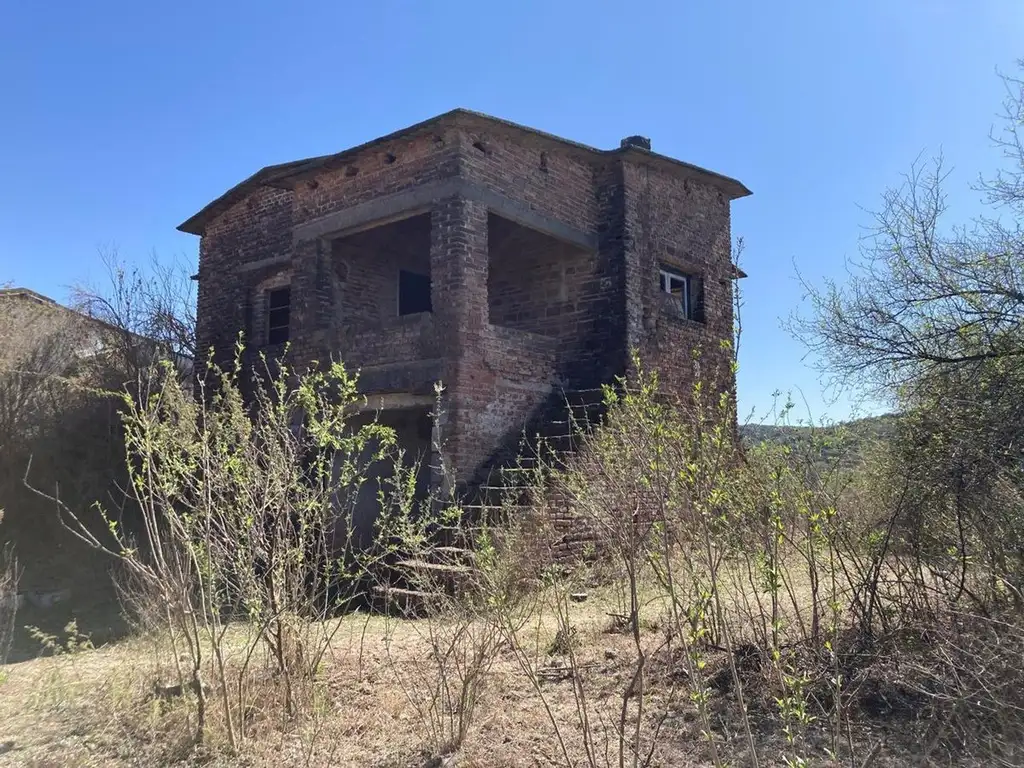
x: 445, y: 685
x: 248, y: 542
x: 791, y: 611
x: 727, y: 563
x: 930, y: 320
x: 151, y: 310
x: 967, y: 682
x: 462, y: 579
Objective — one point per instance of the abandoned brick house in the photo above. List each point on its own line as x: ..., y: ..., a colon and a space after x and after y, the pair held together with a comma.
x: 514, y: 266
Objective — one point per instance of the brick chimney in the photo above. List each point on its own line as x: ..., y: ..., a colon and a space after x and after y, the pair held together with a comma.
x: 639, y: 142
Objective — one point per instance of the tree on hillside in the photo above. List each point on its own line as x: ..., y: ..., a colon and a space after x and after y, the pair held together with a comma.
x: 930, y: 307
x: 922, y: 300
x: 932, y: 318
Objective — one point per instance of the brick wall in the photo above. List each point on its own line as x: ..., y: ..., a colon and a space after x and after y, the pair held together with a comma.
x: 520, y: 371
x: 683, y: 224
x: 378, y: 170
x: 536, y: 283
x: 458, y: 261
x: 516, y: 312
x: 604, y: 337
x: 558, y: 181
x: 254, y: 229
x: 409, y: 338
x: 368, y: 264
x: 583, y: 192
x: 259, y: 227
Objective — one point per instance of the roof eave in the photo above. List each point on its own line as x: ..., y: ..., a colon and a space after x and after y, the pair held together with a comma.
x: 16, y: 292
x: 196, y: 224
x: 286, y: 175
x: 732, y: 187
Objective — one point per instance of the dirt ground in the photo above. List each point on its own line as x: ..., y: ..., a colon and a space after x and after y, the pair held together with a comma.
x: 96, y: 707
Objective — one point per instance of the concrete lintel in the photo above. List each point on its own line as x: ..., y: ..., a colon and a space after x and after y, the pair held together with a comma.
x: 412, y: 376
x: 273, y: 261
x: 393, y: 401
x: 382, y: 210
x: 413, y: 201
x: 374, y: 223
x: 520, y: 213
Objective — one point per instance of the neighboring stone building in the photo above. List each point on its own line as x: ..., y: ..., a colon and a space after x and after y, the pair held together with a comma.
x: 514, y: 266
x: 53, y: 360
x: 46, y: 350
x: 33, y: 325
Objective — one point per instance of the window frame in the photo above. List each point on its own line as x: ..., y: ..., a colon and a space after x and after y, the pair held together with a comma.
x: 271, y: 310
x: 690, y: 309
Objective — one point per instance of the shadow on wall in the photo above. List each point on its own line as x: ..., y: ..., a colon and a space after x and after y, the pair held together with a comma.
x: 63, y: 579
x: 413, y: 427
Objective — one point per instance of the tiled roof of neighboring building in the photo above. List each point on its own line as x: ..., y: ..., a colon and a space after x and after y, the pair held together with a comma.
x: 284, y: 174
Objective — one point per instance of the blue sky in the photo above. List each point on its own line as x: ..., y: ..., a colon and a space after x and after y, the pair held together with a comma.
x: 120, y: 119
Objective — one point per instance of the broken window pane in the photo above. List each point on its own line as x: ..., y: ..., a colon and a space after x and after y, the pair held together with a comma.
x: 413, y: 293
x: 278, y: 315
x: 686, y: 290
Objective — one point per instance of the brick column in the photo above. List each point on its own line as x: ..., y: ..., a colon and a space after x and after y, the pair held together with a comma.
x: 458, y: 266
x: 312, y: 307
x: 640, y: 264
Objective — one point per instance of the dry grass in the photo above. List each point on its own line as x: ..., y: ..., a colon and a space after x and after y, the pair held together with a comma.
x: 98, y: 708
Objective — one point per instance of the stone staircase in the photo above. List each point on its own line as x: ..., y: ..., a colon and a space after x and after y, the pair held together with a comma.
x: 416, y: 585
x: 549, y: 440
x: 506, y: 484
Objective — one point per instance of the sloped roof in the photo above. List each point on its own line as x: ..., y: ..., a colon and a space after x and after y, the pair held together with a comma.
x: 81, y: 321
x: 78, y: 315
x: 27, y: 293
x: 284, y: 175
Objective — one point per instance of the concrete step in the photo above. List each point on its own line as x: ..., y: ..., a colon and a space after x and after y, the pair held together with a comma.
x: 410, y: 603
x: 429, y: 567
x: 454, y: 554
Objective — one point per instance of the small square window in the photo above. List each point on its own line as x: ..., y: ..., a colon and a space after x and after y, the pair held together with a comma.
x: 686, y: 290
x: 413, y: 293
x: 278, y: 315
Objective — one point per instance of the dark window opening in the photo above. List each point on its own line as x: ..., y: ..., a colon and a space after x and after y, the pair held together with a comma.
x: 247, y: 313
x: 687, y: 292
x: 413, y: 293
x: 278, y: 315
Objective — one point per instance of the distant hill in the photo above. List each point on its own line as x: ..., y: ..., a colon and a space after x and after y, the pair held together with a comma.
x: 845, y: 440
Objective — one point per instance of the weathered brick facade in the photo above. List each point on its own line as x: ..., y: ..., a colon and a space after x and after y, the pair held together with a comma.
x: 543, y: 258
